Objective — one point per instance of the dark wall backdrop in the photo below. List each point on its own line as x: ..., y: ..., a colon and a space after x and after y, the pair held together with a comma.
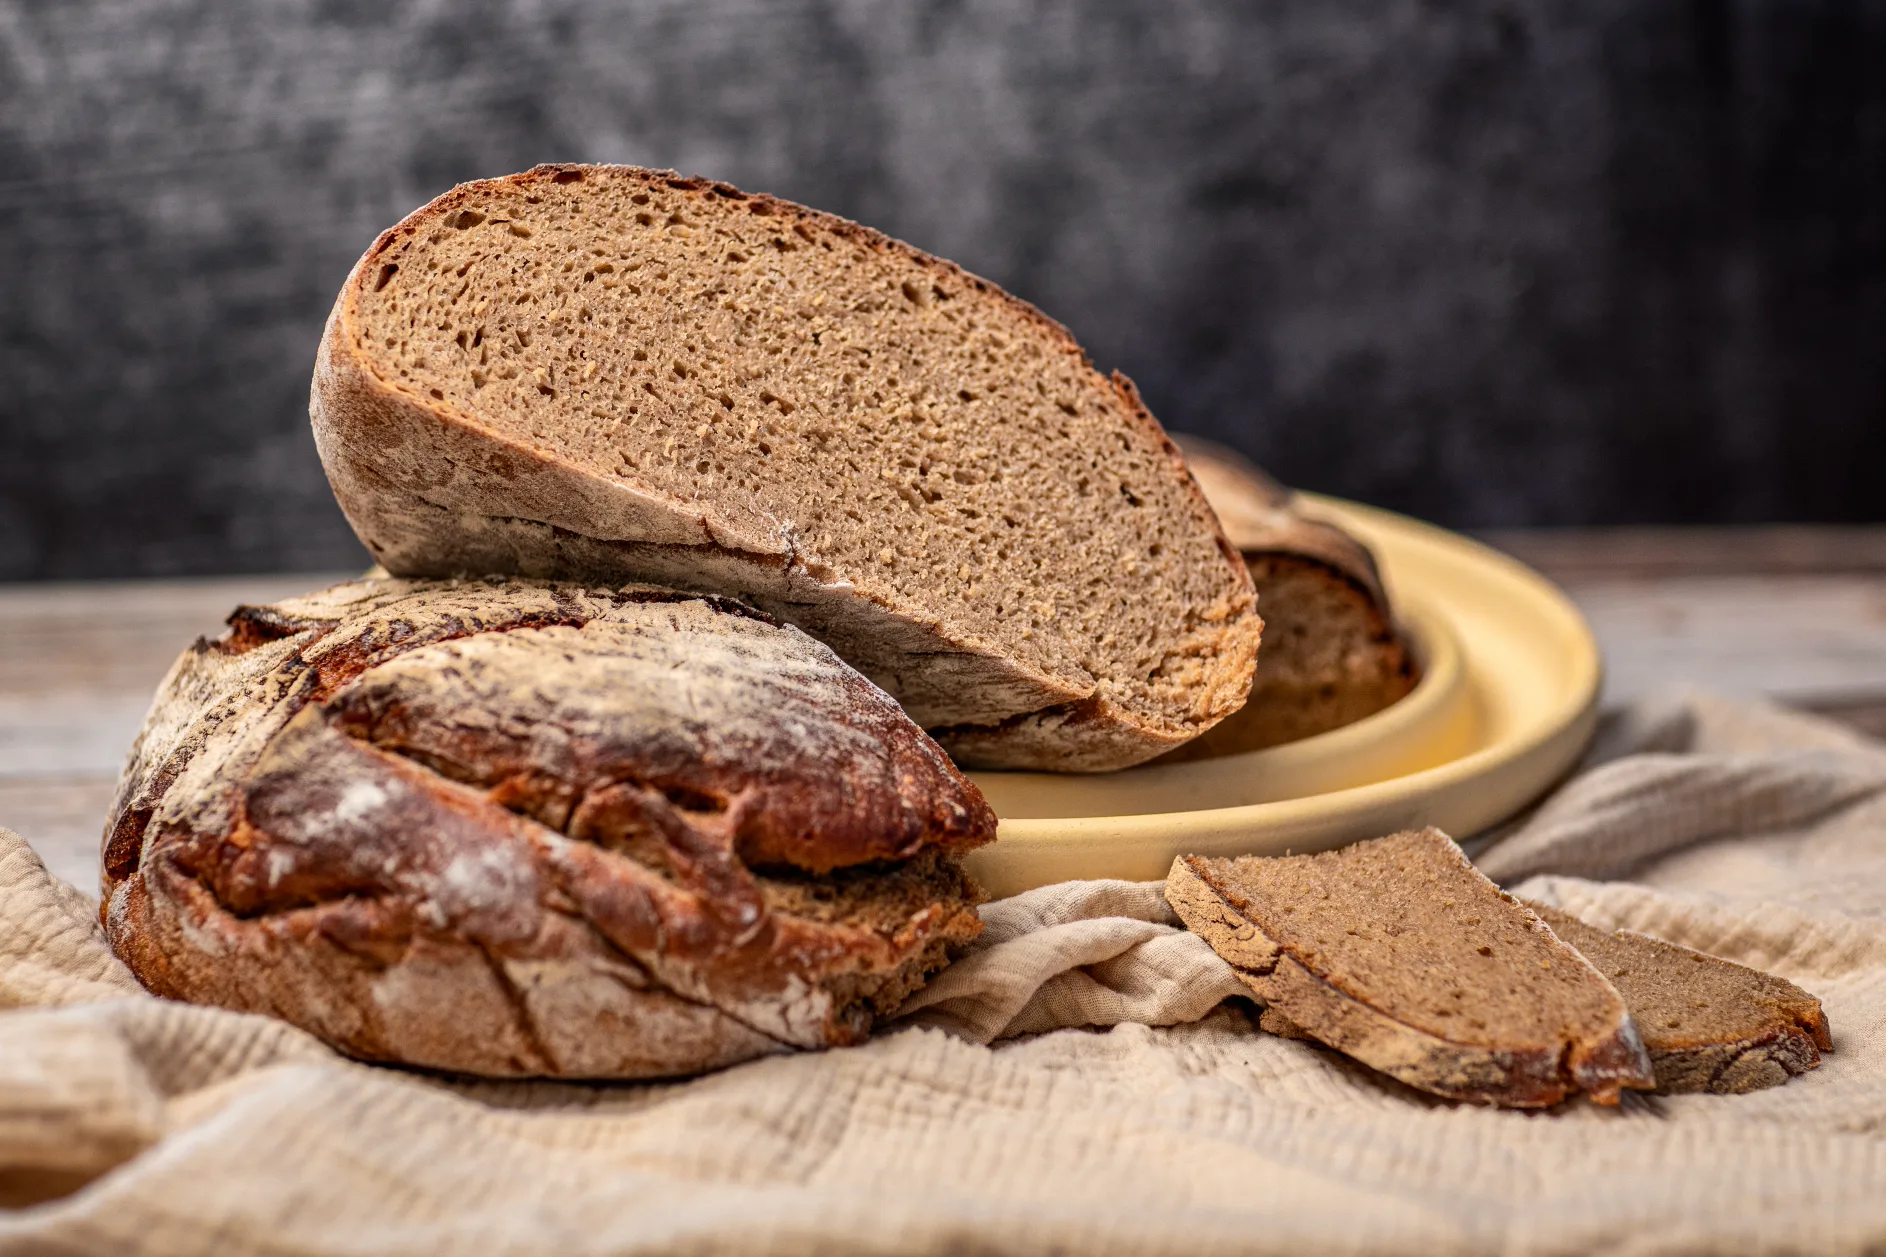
x: 1524, y: 261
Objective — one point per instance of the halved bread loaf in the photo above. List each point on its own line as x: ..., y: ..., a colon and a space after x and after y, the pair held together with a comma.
x: 613, y: 373
x: 1401, y: 954
x: 1709, y: 1024
x: 523, y: 828
x: 1332, y: 653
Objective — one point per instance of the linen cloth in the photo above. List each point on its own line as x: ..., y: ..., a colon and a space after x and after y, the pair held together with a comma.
x: 1088, y: 1080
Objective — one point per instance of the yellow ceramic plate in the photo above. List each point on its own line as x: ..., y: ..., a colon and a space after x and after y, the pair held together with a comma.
x: 1507, y: 700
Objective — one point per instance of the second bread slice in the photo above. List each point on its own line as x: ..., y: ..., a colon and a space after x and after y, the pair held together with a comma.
x: 1710, y: 1025
x: 1401, y: 954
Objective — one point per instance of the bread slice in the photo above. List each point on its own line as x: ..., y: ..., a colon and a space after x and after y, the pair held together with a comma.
x: 1332, y: 653
x: 612, y: 373
x: 523, y: 828
x: 1401, y: 954
x: 1709, y: 1024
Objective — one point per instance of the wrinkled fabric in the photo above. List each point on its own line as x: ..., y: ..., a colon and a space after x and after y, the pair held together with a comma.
x: 1088, y: 1079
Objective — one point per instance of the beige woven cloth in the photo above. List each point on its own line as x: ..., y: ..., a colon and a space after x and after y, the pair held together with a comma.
x: 131, y: 1125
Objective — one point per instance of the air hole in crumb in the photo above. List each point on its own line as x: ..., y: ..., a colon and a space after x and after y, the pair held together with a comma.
x: 689, y: 799
x: 467, y: 218
x: 640, y: 198
x: 436, y: 394
x: 567, y: 176
x: 386, y: 276
x: 645, y: 218
x: 520, y: 230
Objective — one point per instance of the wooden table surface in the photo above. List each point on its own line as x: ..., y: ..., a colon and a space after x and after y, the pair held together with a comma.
x: 1794, y: 614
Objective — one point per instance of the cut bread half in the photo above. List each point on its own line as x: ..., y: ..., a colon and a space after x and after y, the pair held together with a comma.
x: 1332, y: 651
x: 1399, y: 953
x: 1709, y: 1024
x: 612, y: 373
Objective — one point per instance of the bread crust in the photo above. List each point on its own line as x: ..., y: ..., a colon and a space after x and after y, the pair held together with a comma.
x: 1260, y: 517
x: 535, y: 829
x: 1300, y: 1002
x: 433, y: 492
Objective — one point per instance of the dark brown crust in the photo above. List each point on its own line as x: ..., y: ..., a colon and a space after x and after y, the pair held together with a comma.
x: 349, y: 404
x: 444, y: 824
x: 1302, y: 1003
x: 1261, y: 518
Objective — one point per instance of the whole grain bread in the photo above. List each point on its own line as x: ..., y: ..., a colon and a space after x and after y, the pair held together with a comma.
x: 612, y: 373
x: 1401, y: 954
x: 1709, y: 1024
x: 1332, y: 652
x: 523, y: 828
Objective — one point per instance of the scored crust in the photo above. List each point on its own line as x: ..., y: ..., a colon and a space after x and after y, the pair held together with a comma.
x: 1708, y: 1023
x: 525, y: 828
x: 611, y: 373
x: 1543, y: 1038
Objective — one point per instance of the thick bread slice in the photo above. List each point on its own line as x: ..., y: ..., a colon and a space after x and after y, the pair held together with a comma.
x: 1401, y: 954
x: 1332, y: 652
x: 613, y: 373
x: 523, y: 828
x: 1709, y: 1024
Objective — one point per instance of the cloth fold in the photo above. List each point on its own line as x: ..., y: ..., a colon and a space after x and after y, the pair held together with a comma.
x: 1084, y: 1079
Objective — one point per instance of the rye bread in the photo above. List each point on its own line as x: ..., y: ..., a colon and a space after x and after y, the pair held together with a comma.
x: 1332, y: 652
x: 522, y: 828
x: 1399, y: 953
x: 611, y: 373
x: 1709, y: 1024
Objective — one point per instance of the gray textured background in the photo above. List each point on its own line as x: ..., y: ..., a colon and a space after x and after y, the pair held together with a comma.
x: 1494, y: 263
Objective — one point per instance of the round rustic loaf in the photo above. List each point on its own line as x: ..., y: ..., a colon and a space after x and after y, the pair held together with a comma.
x: 524, y: 828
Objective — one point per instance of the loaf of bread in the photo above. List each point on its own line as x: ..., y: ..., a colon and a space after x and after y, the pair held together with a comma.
x: 522, y: 828
x: 613, y: 374
x: 1708, y: 1024
x: 1399, y: 953
x: 1332, y: 653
